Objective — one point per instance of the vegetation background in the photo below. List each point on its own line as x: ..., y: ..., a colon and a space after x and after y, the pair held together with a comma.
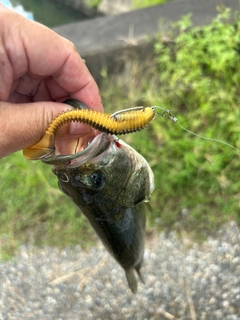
x: 195, y: 74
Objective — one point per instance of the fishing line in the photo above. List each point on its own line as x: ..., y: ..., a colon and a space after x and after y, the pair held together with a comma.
x: 167, y: 114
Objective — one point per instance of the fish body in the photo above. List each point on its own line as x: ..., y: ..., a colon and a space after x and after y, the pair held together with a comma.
x: 109, y: 181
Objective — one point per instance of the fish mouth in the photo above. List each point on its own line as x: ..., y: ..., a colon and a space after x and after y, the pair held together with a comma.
x: 91, y: 147
x: 86, y: 148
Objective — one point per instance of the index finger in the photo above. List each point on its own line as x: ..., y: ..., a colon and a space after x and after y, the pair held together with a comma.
x: 75, y: 78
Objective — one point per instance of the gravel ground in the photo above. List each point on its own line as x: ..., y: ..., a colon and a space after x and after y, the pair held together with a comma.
x: 182, y: 282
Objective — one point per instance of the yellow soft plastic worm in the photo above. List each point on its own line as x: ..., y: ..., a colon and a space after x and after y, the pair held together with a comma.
x: 126, y: 121
x: 120, y: 122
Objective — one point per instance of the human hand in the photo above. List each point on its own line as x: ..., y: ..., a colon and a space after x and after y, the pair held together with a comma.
x: 38, y: 70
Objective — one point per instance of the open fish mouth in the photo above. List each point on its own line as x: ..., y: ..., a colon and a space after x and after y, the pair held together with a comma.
x: 85, y: 141
x: 86, y: 148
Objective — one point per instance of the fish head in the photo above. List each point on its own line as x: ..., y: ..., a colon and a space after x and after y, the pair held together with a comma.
x: 107, y: 172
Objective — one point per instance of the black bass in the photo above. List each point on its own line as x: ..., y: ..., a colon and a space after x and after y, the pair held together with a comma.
x: 109, y: 181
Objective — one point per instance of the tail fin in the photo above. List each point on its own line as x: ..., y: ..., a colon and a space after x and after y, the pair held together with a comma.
x: 140, y: 275
x: 132, y: 281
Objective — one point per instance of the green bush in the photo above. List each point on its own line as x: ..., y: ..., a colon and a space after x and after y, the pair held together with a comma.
x: 197, y: 78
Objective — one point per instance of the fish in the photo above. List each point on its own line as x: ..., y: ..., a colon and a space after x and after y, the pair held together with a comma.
x: 111, y: 183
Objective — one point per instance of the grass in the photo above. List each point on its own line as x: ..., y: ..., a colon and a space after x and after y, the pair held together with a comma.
x: 33, y: 209
x: 196, y: 75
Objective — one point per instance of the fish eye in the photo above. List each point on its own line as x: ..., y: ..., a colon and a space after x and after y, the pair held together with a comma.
x: 97, y: 180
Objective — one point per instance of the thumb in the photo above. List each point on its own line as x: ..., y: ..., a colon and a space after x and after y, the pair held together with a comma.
x: 23, y: 125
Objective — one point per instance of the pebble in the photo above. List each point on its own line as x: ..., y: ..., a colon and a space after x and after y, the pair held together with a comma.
x: 183, y: 282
